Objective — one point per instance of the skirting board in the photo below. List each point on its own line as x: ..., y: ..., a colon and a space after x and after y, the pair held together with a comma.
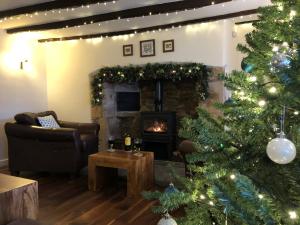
x: 3, y: 162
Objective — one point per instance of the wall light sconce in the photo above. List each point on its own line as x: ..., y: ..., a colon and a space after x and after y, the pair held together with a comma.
x: 22, y: 64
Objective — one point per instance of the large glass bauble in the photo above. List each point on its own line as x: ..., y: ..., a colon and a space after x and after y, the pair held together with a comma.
x: 281, y: 150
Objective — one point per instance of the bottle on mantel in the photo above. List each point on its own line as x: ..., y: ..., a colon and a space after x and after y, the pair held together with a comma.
x: 127, y: 142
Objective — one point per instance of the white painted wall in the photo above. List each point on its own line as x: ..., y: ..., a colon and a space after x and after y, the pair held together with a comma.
x: 20, y: 90
x: 234, y: 57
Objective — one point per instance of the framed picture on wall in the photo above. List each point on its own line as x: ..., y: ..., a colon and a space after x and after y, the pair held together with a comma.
x: 147, y: 48
x: 168, y: 46
x: 127, y: 50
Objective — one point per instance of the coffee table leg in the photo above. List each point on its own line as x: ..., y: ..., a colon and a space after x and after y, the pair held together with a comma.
x: 92, y: 173
x: 150, y: 171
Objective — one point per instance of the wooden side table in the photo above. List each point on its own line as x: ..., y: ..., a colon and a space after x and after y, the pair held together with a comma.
x: 102, y: 170
x: 18, y: 199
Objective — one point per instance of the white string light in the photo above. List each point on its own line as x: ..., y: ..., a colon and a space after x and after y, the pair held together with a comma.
x: 262, y: 103
x: 232, y: 176
x: 252, y: 78
x: 202, y: 197
x: 273, y: 90
x: 293, y: 215
x: 260, y: 196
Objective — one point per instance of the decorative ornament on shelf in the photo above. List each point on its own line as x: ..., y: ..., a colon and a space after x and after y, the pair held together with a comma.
x: 171, y: 189
x: 282, y: 58
x: 281, y: 150
x: 248, y: 68
x: 167, y: 220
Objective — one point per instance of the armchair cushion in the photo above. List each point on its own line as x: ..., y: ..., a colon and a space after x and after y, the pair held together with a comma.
x: 26, y: 119
x: 48, y: 122
x: 29, y: 118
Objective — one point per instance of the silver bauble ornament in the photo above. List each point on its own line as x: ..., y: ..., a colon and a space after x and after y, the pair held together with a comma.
x: 281, y: 150
x: 281, y: 60
x: 171, y: 189
x: 167, y: 220
x: 283, y: 56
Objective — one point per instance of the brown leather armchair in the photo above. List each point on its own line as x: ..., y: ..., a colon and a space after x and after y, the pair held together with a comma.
x: 33, y: 148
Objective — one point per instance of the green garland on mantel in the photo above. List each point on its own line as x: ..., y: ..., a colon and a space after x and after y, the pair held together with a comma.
x: 133, y: 73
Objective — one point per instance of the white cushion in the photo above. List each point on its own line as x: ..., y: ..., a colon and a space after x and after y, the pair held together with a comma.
x: 48, y: 122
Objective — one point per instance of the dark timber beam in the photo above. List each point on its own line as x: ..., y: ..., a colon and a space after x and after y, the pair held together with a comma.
x: 154, y: 28
x: 245, y: 22
x: 124, y: 14
x: 47, y: 6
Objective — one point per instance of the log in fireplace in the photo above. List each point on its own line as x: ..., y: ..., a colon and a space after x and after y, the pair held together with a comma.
x: 158, y: 128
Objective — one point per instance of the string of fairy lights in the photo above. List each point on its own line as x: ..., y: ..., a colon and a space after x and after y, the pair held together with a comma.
x: 133, y: 32
x: 88, y: 21
x: 57, y: 12
x: 206, y: 200
x: 73, y: 9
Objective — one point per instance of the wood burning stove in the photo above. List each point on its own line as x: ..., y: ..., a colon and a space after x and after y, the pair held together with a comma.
x: 158, y: 129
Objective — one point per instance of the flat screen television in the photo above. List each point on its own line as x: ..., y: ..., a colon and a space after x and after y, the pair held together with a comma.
x: 128, y: 101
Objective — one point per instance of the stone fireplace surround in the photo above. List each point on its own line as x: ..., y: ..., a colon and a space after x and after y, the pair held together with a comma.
x: 180, y: 97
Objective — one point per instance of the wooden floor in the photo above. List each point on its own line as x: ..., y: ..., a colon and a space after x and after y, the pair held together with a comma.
x: 68, y: 202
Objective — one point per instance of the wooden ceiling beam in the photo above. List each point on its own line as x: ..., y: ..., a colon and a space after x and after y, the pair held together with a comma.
x: 124, y: 14
x: 154, y: 28
x: 247, y: 21
x: 48, y: 6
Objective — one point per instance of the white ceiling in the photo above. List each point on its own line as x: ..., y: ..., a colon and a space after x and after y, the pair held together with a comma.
x: 11, y: 4
x: 122, y: 24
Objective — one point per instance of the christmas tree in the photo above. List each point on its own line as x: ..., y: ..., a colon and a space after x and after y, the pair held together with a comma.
x: 234, y: 180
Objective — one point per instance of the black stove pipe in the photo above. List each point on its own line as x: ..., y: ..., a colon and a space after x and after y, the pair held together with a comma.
x: 158, y: 102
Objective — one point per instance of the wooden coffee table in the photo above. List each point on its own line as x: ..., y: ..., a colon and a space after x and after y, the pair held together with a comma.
x: 18, y: 199
x: 102, y: 170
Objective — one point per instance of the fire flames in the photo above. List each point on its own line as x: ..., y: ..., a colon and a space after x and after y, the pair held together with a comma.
x: 157, y: 127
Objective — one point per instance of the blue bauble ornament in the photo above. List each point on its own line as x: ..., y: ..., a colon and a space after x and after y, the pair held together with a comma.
x: 171, y: 189
x: 285, y: 78
x: 248, y: 68
x: 280, y: 60
x: 228, y: 101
